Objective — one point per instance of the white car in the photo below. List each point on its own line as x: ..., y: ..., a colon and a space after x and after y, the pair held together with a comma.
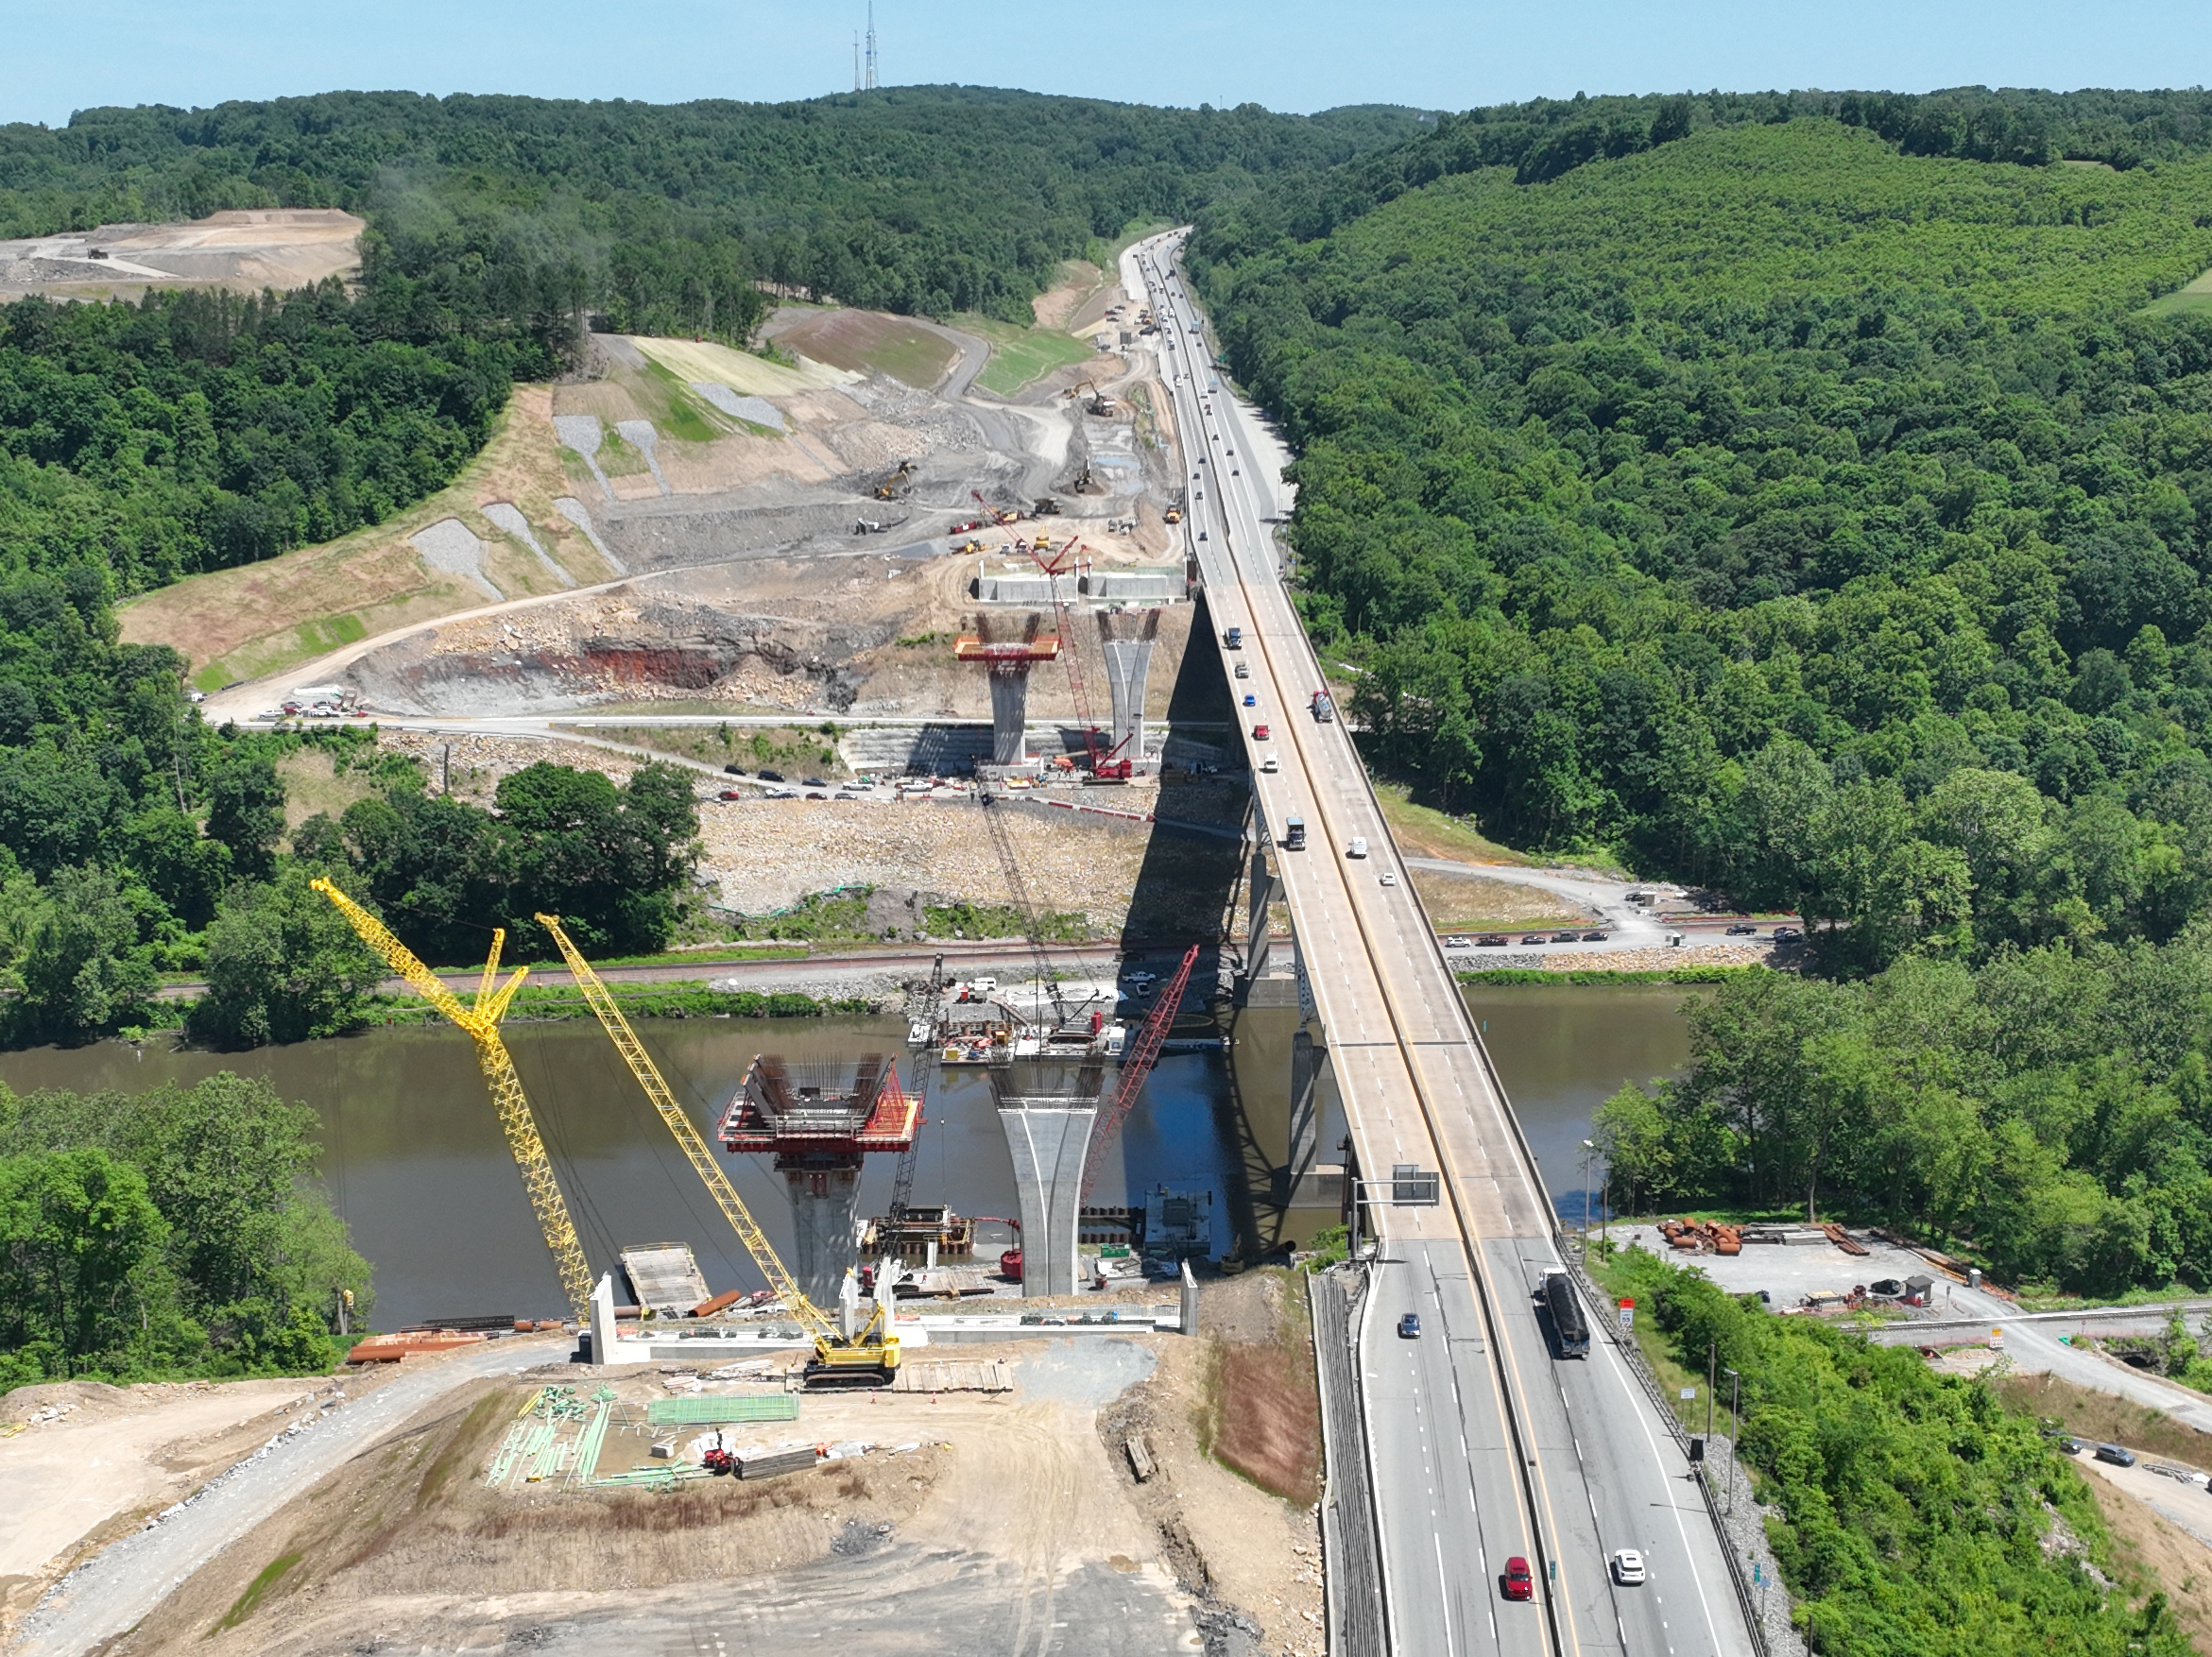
x: 1390, y: 877
x: 1358, y: 846
x: 1271, y: 764
x: 1628, y: 1568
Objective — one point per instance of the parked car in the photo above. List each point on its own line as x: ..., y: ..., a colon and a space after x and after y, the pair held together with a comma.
x: 734, y: 769
x: 1534, y: 938
x: 816, y: 782
x: 1628, y: 1568
x: 1743, y: 930
x: 1595, y: 937
x: 1567, y: 937
x: 1787, y: 933
x: 1409, y: 1327
x: 1491, y: 941
x: 815, y: 794
x: 1458, y: 941
x: 2118, y: 1455
x: 1518, y: 1583
x: 771, y: 777
x: 731, y: 793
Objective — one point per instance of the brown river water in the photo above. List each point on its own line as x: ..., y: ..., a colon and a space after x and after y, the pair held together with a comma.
x: 414, y: 1160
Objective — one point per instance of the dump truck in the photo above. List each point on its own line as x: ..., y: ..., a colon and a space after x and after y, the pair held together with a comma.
x: 1571, y: 1330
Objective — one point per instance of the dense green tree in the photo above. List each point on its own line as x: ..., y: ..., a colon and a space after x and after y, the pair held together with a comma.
x: 84, y: 1288
x: 244, y: 1258
x: 85, y: 967
x: 283, y: 965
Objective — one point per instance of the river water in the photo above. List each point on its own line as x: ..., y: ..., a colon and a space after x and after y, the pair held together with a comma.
x: 414, y: 1162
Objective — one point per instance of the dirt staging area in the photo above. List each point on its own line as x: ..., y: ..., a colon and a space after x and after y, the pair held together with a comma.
x: 284, y: 248
x: 94, y: 1458
x: 974, y: 1523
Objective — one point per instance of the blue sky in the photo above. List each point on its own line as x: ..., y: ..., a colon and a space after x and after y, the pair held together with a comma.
x: 1287, y: 54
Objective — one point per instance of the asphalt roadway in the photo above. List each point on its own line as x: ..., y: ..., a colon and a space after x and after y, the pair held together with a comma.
x: 1485, y: 1446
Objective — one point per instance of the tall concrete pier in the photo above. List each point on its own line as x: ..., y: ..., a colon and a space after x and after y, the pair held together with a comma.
x: 1048, y: 1137
x: 820, y: 1121
x: 1008, y: 662
x: 1128, y: 663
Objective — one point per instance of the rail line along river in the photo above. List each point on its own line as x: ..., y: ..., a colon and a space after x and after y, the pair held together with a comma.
x: 414, y: 1159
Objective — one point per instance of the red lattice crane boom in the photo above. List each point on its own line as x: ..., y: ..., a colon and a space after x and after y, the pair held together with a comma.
x: 1136, y: 1067
x: 1059, y: 564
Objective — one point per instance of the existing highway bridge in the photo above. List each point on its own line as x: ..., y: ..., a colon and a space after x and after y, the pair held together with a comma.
x: 1483, y: 1445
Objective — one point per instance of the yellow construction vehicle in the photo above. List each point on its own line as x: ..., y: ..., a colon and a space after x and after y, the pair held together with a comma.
x: 481, y: 1022
x: 868, y: 1357
x: 895, y: 485
x: 1174, y: 515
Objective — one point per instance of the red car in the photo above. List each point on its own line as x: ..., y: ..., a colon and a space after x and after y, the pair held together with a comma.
x: 1518, y: 1583
x: 1260, y: 733
x: 731, y: 793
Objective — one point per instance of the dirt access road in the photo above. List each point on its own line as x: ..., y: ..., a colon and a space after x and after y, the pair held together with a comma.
x: 125, y: 1582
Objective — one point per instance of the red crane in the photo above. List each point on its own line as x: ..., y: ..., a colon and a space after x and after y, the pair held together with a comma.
x: 1135, y: 1069
x: 1103, y: 763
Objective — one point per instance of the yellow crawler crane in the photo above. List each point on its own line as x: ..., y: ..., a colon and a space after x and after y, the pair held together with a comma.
x: 869, y: 1358
x: 482, y: 1024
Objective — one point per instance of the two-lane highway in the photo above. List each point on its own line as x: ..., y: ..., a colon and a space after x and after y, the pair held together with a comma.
x: 1485, y: 1446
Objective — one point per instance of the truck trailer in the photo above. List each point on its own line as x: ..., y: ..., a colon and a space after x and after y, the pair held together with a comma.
x: 1571, y: 1329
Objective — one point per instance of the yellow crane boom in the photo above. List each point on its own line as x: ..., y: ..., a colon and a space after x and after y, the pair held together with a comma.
x: 832, y: 1350
x: 482, y: 1024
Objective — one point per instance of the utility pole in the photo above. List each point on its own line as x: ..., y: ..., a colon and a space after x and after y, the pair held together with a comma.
x: 1588, y: 1147
x: 1712, y: 1356
x: 1735, y: 1431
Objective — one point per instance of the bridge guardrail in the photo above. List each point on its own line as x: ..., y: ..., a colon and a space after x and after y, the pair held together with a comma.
x: 1642, y: 1371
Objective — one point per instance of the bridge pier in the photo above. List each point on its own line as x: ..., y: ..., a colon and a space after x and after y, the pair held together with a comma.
x: 825, y: 1212
x: 1260, y: 893
x: 1049, y: 1138
x: 1128, y: 662
x: 1009, y: 712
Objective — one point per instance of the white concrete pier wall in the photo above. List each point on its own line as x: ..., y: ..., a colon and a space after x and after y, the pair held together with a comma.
x: 1048, y: 1140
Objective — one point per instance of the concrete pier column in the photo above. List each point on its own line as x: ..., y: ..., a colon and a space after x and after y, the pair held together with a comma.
x: 1260, y: 887
x: 1128, y: 662
x: 825, y: 1210
x: 1048, y: 1138
x: 1009, y: 712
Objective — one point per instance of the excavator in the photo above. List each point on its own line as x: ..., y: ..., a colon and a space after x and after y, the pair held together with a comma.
x: 895, y: 486
x: 481, y: 1022
x: 867, y: 1358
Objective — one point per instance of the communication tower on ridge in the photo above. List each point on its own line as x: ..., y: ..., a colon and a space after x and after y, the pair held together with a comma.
x: 872, y: 45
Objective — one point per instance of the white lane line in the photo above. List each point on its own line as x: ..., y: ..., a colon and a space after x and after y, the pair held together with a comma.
x: 1445, y: 1582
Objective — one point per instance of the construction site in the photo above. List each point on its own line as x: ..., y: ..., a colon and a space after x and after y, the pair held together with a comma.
x: 917, y: 639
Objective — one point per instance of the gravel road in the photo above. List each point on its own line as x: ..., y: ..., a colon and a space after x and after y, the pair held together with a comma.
x: 124, y: 1583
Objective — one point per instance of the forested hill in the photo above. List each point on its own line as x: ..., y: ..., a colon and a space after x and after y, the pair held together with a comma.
x: 1782, y: 509
x: 915, y: 198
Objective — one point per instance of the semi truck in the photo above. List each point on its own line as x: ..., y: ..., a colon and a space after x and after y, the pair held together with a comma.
x: 1571, y: 1329
x: 1233, y: 639
x: 1294, y: 834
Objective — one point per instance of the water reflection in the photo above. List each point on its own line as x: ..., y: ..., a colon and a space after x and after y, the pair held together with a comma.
x: 415, y: 1161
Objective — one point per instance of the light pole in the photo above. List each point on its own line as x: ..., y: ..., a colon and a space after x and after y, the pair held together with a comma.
x: 1588, y: 1148
x: 1735, y: 1431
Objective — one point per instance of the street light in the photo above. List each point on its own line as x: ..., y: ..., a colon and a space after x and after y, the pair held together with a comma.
x: 1588, y: 1150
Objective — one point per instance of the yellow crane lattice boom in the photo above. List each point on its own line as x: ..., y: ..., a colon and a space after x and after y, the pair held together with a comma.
x: 819, y: 1323
x: 481, y: 1022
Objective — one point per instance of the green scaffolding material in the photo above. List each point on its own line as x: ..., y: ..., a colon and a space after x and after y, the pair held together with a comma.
x: 586, y: 1465
x: 503, y: 1462
x: 714, y: 1411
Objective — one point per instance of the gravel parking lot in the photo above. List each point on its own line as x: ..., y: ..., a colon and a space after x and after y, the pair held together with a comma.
x: 1789, y: 1273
